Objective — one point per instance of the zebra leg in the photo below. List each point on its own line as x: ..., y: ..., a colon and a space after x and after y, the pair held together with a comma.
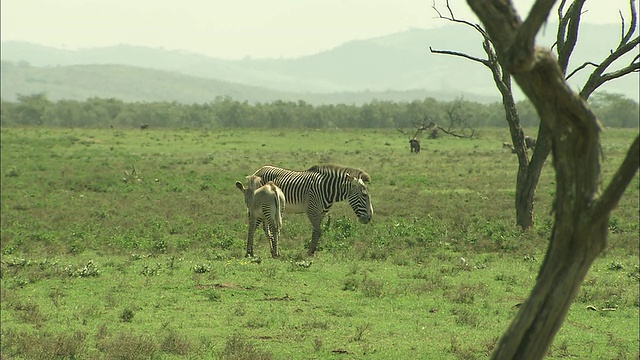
x: 267, y: 231
x: 275, y: 252
x: 270, y: 233
x: 253, y: 224
x: 316, y: 222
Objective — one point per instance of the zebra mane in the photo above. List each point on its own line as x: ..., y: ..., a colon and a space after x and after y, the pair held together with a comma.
x: 324, y: 168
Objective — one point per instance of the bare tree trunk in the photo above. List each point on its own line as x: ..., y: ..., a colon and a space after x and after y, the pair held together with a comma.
x: 526, y: 187
x: 581, y: 213
x: 528, y: 170
x: 528, y: 173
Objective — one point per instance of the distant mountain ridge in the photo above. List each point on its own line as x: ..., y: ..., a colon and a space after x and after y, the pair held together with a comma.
x: 382, y: 67
x: 135, y: 84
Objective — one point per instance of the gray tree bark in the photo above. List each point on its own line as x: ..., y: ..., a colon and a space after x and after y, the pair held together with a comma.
x: 581, y: 211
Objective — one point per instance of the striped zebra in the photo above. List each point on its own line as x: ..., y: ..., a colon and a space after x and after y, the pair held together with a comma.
x: 313, y: 191
x: 265, y: 204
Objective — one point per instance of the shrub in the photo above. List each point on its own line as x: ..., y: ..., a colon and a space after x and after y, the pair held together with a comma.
x: 126, y: 345
x: 29, y: 312
x: 201, y: 268
x: 239, y: 348
x: 43, y: 345
x: 175, y: 343
x: 127, y: 315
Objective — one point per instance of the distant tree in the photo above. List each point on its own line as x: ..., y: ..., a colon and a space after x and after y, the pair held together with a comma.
x: 226, y: 112
x: 112, y: 107
x: 230, y: 113
x: 8, y: 112
x: 615, y: 110
x: 66, y: 113
x: 31, y: 108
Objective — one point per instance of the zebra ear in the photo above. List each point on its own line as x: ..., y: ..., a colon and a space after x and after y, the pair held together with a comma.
x: 240, y: 186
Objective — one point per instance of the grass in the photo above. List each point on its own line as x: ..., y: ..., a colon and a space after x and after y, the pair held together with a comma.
x: 94, y: 266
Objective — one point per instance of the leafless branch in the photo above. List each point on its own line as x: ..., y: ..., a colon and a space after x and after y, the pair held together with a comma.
x: 492, y: 60
x: 452, y: 18
x: 580, y: 68
x: 567, y: 35
x: 635, y: 67
x: 456, y: 53
x: 599, y: 77
x: 632, y: 27
x: 618, y: 185
x: 452, y: 133
x: 420, y: 125
x: 626, y: 45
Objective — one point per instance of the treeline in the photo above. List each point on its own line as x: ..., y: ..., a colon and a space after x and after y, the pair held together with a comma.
x: 614, y: 110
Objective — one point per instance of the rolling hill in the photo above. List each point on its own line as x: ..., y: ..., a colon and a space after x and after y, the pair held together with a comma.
x: 394, y: 67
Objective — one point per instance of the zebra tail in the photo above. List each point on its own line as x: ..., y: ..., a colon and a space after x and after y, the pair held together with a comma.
x: 277, y: 217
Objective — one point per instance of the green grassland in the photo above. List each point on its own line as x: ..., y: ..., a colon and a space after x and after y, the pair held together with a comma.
x: 102, y: 264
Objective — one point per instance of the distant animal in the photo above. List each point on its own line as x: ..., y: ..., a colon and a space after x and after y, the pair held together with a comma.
x: 315, y: 190
x: 415, y: 145
x: 506, y: 145
x: 265, y: 204
x: 529, y: 142
x: 144, y: 126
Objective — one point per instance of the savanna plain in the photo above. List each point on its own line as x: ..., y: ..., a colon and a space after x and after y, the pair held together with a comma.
x: 129, y: 244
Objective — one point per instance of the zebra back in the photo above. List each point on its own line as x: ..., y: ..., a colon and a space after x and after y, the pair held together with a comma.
x: 339, y: 169
x: 322, y: 178
x: 295, y: 184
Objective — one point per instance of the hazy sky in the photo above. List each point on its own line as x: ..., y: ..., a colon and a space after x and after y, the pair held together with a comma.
x: 234, y: 28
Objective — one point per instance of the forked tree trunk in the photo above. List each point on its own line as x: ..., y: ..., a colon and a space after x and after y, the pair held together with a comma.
x: 581, y: 213
x: 528, y: 172
x: 528, y: 177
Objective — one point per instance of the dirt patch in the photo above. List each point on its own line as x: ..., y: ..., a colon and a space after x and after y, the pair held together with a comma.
x: 223, y: 286
x: 284, y: 298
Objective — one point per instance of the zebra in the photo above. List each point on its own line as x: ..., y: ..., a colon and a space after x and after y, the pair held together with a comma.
x: 265, y: 204
x: 313, y: 191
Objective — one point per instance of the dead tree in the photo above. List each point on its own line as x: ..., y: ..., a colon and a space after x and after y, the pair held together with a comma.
x: 524, y: 199
x: 581, y: 208
x: 414, y: 141
x: 458, y: 126
x: 529, y: 169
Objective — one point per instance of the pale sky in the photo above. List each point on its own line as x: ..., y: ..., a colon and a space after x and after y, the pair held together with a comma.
x: 234, y: 29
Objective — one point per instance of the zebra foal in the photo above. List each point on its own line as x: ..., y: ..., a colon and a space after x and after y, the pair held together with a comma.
x: 265, y: 204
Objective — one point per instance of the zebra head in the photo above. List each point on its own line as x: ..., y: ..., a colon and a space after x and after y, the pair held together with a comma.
x: 254, y: 183
x: 359, y: 199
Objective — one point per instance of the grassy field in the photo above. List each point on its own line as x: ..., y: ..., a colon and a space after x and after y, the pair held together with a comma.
x: 102, y: 264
